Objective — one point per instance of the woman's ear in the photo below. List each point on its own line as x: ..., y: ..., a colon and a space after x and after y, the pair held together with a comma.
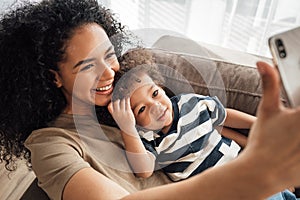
x: 57, y: 78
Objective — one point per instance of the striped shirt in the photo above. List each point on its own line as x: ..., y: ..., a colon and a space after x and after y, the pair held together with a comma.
x: 192, y: 143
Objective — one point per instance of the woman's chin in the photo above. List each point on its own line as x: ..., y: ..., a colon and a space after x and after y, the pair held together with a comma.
x: 102, y: 101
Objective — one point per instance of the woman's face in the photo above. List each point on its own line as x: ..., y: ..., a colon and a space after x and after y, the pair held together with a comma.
x: 86, y: 75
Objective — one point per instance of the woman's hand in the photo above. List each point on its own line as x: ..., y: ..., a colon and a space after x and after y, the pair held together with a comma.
x: 275, y: 136
x: 123, y: 115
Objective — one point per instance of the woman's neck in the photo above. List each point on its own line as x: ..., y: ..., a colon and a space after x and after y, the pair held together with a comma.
x: 79, y: 110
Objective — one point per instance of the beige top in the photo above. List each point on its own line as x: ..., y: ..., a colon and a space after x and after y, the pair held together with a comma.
x: 76, y: 142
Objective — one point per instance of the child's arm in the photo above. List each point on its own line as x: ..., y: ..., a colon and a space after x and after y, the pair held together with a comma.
x: 141, y: 161
x: 238, y: 119
x: 233, y: 135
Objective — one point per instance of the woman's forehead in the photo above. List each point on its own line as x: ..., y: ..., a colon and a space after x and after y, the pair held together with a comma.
x: 88, y: 40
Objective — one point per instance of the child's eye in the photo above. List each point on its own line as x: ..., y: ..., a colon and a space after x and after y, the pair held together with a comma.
x: 141, y: 110
x: 155, y: 93
x: 86, y: 67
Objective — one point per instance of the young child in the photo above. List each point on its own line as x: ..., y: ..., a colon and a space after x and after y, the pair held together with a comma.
x: 184, y: 135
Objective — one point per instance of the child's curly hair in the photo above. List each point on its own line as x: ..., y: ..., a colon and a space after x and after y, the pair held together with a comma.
x: 131, y: 76
x: 33, y: 40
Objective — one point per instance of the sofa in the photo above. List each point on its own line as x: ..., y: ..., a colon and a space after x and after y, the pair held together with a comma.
x: 187, y: 67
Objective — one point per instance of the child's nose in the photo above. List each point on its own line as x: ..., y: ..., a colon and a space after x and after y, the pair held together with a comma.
x: 156, y: 108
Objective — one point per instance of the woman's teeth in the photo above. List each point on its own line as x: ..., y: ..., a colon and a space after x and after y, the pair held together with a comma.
x: 103, y: 88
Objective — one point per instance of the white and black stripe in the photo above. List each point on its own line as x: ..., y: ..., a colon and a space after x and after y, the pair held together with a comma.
x: 192, y: 144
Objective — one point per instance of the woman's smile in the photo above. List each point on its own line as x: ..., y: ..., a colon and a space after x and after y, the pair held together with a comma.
x: 104, y: 90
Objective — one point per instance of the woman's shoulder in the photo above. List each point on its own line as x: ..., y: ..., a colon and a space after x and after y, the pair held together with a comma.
x: 51, y: 135
x: 56, y: 155
x: 52, y: 131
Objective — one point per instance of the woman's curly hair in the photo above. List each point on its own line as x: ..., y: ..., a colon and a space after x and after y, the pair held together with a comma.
x: 33, y: 39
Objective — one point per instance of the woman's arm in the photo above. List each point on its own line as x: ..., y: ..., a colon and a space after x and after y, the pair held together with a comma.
x: 223, y: 182
x: 89, y: 184
x: 141, y: 161
x: 238, y: 119
x: 255, y: 174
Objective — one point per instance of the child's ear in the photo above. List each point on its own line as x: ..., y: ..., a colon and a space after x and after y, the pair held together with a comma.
x: 57, y: 78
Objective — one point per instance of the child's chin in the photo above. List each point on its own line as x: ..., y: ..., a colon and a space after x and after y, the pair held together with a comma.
x: 155, y: 129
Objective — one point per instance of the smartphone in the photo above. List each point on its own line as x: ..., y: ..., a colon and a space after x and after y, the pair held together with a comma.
x: 285, y: 49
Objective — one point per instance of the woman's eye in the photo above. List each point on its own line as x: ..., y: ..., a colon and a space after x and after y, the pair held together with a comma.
x: 87, y: 67
x: 110, y: 58
x: 112, y: 54
x: 141, y: 110
x: 155, y: 93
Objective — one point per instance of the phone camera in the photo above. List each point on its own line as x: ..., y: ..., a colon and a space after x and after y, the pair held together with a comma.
x: 280, y: 48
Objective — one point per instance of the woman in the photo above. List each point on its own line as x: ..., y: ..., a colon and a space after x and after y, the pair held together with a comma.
x: 57, y: 62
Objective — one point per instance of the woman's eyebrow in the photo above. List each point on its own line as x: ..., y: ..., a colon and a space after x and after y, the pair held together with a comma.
x: 91, y: 59
x: 83, y: 62
x: 109, y: 49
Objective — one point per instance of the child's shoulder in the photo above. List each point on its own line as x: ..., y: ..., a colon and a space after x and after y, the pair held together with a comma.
x: 192, y: 95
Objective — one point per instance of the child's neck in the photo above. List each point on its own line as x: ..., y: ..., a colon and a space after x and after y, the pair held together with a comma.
x: 166, y: 129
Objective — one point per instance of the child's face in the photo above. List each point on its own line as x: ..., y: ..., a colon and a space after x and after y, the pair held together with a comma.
x: 152, y: 108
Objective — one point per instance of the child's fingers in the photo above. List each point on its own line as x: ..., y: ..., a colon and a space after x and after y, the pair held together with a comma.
x: 110, y: 108
x: 122, y: 104
x: 116, y: 105
x: 127, y: 104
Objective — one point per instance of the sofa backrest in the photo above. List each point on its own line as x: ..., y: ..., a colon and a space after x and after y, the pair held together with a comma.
x: 237, y: 86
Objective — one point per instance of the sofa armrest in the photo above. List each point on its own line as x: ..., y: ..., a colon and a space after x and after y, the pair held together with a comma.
x: 34, y: 192
x: 14, y: 183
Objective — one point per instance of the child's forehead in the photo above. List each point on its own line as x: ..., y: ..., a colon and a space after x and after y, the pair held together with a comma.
x: 139, y: 80
x: 142, y: 78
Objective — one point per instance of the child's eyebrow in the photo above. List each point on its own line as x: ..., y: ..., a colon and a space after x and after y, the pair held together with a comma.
x: 151, y: 88
x: 148, y: 90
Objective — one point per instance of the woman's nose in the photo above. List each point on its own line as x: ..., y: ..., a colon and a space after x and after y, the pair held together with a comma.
x: 108, y: 71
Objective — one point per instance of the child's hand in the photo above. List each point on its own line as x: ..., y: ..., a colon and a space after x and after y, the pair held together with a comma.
x: 123, y: 115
